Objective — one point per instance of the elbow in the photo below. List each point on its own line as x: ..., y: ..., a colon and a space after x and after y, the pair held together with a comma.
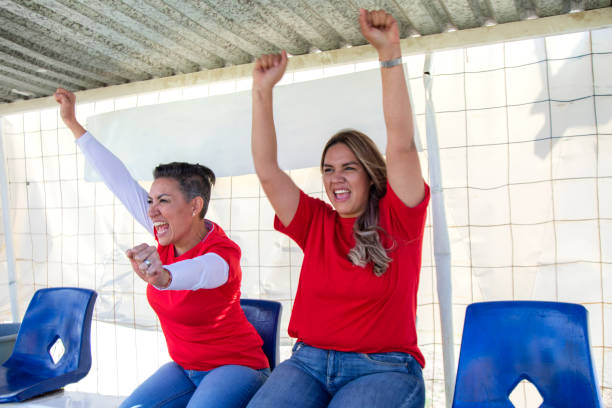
x: 265, y: 168
x: 401, y: 141
x: 401, y: 149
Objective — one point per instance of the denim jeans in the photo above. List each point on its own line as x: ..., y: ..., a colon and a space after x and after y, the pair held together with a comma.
x: 314, y: 377
x: 229, y: 386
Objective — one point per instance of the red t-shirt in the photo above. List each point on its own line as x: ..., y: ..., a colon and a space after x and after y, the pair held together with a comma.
x: 206, y: 328
x: 340, y: 306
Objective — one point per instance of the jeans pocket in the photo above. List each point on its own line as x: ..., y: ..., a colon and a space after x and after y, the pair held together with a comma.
x: 391, y: 359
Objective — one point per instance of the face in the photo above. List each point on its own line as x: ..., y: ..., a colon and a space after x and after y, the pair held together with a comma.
x: 171, y: 214
x: 346, y: 182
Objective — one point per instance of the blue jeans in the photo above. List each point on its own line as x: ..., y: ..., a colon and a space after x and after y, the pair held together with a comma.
x: 314, y: 377
x: 172, y: 386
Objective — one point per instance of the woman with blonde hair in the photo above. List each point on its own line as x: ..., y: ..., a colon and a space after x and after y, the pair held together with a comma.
x: 355, y: 307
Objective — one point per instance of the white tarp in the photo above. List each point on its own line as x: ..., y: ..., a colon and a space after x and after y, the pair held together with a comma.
x: 216, y: 131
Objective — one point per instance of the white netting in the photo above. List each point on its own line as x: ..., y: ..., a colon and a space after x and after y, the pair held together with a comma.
x: 525, y: 133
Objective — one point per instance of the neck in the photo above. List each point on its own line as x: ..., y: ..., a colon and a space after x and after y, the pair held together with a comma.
x: 198, y: 232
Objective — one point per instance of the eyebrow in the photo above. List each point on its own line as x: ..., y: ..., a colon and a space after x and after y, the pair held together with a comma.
x: 159, y: 196
x: 353, y: 163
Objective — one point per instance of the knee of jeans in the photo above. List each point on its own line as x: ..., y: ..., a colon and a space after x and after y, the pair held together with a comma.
x: 237, y: 371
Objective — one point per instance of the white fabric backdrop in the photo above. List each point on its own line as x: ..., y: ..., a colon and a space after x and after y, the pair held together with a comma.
x: 216, y: 130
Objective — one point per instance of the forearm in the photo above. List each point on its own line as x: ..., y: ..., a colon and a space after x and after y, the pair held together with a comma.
x: 263, y: 141
x: 207, y: 271
x: 396, y: 103
x: 403, y: 167
x: 282, y: 193
x: 75, y: 127
x: 278, y: 186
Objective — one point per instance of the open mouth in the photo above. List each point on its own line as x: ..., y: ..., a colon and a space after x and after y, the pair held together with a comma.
x: 161, y: 227
x: 342, y: 194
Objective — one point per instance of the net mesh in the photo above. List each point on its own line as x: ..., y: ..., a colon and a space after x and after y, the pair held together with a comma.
x: 525, y: 134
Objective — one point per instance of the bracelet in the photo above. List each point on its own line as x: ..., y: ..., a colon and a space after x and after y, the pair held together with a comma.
x: 169, y: 279
x: 391, y: 63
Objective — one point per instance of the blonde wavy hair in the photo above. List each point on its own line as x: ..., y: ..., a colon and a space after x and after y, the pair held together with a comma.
x: 368, y: 246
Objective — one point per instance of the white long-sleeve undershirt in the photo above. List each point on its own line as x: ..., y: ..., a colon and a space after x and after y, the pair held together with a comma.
x: 207, y: 271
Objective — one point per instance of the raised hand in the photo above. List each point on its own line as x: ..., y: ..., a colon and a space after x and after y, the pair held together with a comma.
x: 381, y: 30
x: 67, y: 102
x: 147, y: 265
x: 269, y: 69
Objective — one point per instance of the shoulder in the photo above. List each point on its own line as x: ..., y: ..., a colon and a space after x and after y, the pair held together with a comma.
x: 399, y: 219
x: 315, y: 204
x: 217, y: 241
x: 309, y: 209
x: 390, y: 199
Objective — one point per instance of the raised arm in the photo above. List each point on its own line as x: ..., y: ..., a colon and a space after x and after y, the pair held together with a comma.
x: 282, y: 192
x: 67, y: 102
x: 113, y: 172
x: 403, y: 167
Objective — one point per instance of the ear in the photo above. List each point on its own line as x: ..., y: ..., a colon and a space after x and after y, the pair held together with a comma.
x: 197, y: 204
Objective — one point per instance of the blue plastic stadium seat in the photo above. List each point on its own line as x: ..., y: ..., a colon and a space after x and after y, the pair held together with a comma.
x: 546, y: 343
x: 265, y: 316
x: 57, y: 318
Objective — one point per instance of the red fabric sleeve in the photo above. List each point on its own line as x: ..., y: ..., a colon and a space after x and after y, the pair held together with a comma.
x: 299, y: 226
x: 407, y: 221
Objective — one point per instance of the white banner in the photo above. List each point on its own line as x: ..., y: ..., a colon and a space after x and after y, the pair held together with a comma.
x: 216, y: 131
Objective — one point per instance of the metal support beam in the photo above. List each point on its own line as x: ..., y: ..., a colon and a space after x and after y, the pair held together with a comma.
x: 8, y: 232
x: 574, y: 22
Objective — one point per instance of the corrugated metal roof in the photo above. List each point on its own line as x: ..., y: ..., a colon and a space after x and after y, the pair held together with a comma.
x: 86, y: 44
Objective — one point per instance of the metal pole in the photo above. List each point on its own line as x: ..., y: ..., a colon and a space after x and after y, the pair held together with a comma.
x: 8, y: 232
x: 442, y: 253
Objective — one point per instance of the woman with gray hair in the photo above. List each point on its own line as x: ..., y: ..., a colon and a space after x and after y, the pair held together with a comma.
x: 193, y: 276
x: 355, y: 307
